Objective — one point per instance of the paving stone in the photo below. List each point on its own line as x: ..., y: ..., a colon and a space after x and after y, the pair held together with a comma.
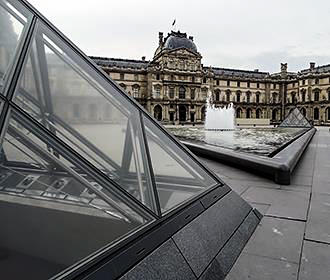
x: 321, y: 185
x: 315, y: 261
x: 277, y: 239
x: 286, y: 204
x: 301, y: 180
x: 261, y: 207
x: 166, y: 262
x: 318, y: 223
x: 201, y: 240
x: 260, y: 268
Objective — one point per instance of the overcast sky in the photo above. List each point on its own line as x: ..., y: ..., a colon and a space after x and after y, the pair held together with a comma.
x: 244, y: 34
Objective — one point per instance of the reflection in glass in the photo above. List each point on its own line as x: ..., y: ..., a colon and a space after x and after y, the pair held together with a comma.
x: 59, y: 91
x: 55, y: 213
x: 12, y: 24
x: 178, y: 177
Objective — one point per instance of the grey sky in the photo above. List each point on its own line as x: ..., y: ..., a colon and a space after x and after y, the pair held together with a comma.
x: 246, y: 34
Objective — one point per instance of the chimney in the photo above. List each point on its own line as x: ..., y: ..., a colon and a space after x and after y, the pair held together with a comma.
x: 311, y: 65
x: 256, y: 70
x: 160, y: 36
x: 191, y: 38
x: 143, y: 58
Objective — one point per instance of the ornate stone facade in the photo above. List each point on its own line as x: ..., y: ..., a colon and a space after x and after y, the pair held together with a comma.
x: 173, y: 86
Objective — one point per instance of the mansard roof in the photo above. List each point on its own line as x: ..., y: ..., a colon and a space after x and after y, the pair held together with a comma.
x: 120, y: 63
x: 318, y: 69
x: 238, y: 72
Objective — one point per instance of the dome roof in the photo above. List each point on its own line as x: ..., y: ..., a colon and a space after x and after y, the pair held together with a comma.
x: 177, y: 40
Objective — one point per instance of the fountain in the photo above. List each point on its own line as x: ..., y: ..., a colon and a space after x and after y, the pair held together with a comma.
x: 219, y: 118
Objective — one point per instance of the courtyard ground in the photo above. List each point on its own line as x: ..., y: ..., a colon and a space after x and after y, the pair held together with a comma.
x: 293, y: 238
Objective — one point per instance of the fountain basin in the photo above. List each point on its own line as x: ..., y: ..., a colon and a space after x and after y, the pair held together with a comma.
x: 277, y: 164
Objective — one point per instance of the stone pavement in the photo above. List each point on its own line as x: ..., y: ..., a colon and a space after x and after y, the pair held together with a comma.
x: 293, y: 239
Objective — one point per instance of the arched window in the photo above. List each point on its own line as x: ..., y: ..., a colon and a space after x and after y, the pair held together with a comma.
x: 238, y: 96
x: 316, y: 113
x: 303, y: 95
x: 248, y: 113
x: 228, y: 92
x: 316, y: 95
x: 158, y: 112
x: 217, y: 95
x: 182, y: 93
x: 238, y: 113
x: 257, y: 97
x: 248, y: 97
x: 258, y: 113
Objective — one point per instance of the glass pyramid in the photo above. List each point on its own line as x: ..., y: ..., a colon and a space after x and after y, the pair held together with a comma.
x: 83, y: 166
x: 295, y: 119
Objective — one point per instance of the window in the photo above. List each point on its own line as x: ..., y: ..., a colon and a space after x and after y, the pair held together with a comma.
x: 293, y: 97
x: 329, y: 95
x: 172, y: 78
x: 171, y: 92
x: 248, y: 113
x: 238, y: 96
x: 228, y: 83
x: 157, y: 76
x: 257, y: 97
x: 217, y: 82
x: 182, y: 93
x: 217, y: 95
x: 316, y: 113
x: 192, y: 107
x: 192, y: 94
x: 303, y: 96
x: 136, y: 91
x: 193, y: 79
x: 274, y: 95
x: 258, y: 85
x: 204, y: 80
x: 316, y: 95
x: 157, y: 91
x: 238, y: 84
x: 258, y: 113
x: 317, y: 81
x: 248, y: 84
x: 274, y: 86
x: 238, y: 113
x: 136, y: 77
x: 228, y: 92
x: 328, y: 113
x: 248, y: 97
x: 122, y: 76
x: 303, y: 82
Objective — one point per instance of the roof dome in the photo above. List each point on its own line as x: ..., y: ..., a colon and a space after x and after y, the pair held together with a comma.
x: 177, y: 40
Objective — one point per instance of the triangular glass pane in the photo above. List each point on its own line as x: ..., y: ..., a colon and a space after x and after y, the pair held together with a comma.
x: 295, y: 119
x: 178, y: 177
x: 57, y: 89
x: 12, y: 24
x: 50, y: 202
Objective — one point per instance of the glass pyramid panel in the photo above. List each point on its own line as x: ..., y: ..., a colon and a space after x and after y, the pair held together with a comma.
x: 55, y: 213
x: 12, y: 24
x: 57, y: 90
x: 295, y: 119
x: 178, y: 177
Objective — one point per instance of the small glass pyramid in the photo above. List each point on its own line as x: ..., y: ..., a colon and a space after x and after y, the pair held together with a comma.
x: 295, y: 119
x: 82, y: 164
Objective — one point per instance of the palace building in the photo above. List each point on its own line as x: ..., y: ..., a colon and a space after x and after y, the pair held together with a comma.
x: 174, y: 85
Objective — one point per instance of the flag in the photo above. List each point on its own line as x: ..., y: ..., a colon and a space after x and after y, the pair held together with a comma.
x: 173, y: 22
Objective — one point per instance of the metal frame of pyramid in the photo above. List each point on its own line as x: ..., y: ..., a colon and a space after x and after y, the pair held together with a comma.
x: 85, y: 171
